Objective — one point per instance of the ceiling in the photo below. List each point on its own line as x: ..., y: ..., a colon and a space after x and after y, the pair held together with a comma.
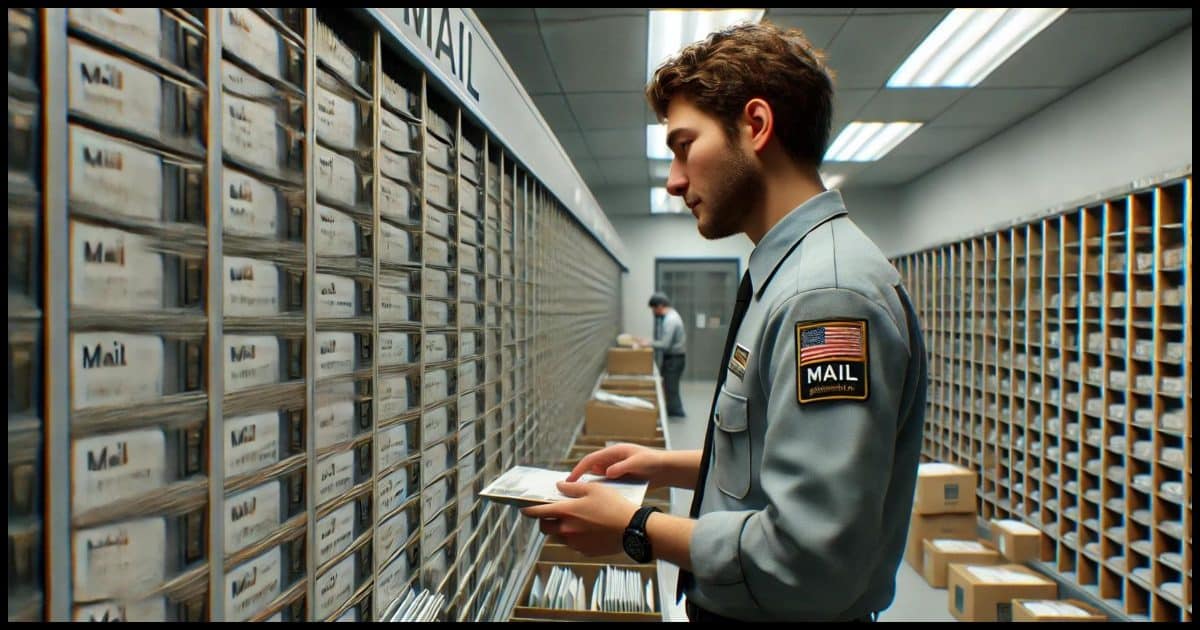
x: 585, y: 70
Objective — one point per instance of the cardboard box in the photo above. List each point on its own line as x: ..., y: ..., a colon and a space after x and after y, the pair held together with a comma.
x: 1017, y: 541
x: 987, y: 593
x: 944, y: 489
x: 640, y: 383
x: 559, y: 554
x: 924, y: 527
x: 942, y: 552
x: 605, y: 419
x: 600, y: 440
x: 629, y: 361
x: 1055, y: 610
x: 588, y: 572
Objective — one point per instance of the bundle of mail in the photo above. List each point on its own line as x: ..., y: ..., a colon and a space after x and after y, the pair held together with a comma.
x: 614, y: 590
x: 415, y: 606
x: 627, y: 402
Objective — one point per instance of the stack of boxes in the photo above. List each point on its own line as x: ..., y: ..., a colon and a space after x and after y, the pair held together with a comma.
x: 943, y: 509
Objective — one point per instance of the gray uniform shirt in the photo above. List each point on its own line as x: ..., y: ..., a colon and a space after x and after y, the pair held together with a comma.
x: 818, y: 431
x: 673, y: 338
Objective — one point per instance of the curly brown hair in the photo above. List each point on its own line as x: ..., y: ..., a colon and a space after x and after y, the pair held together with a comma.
x: 721, y: 73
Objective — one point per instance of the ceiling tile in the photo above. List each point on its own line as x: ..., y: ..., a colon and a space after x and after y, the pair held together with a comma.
x: 587, y: 14
x: 624, y: 200
x: 870, y: 47
x: 893, y: 172
x: 847, y: 104
x: 591, y: 173
x: 1000, y: 107
x: 556, y: 112
x: 500, y: 14
x: 617, y: 143
x: 945, y: 142
x: 819, y: 29
x: 1080, y: 46
x: 574, y: 145
x: 522, y: 48
x: 609, y: 110
x: 912, y: 104
x: 625, y: 172
x: 598, y: 55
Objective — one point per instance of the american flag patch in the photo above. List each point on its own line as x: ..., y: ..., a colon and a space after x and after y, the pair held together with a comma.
x: 832, y: 341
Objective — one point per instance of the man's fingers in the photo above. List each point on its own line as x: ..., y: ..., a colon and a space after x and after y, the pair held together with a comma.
x: 572, y: 489
x: 550, y: 527
x: 540, y: 511
x: 590, y: 463
x: 618, y: 469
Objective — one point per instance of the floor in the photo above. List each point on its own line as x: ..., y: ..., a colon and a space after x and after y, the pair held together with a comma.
x: 915, y: 599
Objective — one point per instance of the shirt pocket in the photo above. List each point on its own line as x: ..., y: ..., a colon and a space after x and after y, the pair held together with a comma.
x: 732, y: 445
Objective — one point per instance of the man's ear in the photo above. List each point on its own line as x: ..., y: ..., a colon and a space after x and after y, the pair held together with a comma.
x: 759, y: 120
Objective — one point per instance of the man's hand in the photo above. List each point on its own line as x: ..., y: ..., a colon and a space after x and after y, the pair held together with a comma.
x: 638, y: 462
x: 643, y: 341
x: 591, y: 522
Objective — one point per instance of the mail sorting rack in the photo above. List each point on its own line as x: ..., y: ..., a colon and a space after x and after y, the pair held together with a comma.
x: 25, y: 357
x: 264, y: 209
x: 1060, y: 363
x: 303, y: 310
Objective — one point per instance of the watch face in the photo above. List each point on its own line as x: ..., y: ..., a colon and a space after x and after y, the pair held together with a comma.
x: 635, y: 546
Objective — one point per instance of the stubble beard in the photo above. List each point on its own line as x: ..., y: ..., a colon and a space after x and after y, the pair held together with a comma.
x: 739, y: 191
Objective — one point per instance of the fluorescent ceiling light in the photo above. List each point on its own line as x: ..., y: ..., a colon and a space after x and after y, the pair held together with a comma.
x: 671, y: 30
x: 663, y: 203
x: 832, y: 181
x: 868, y: 141
x: 656, y: 143
x: 660, y: 170
x: 969, y: 44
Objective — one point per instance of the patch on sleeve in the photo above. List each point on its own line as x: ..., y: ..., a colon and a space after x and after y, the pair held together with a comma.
x: 831, y: 360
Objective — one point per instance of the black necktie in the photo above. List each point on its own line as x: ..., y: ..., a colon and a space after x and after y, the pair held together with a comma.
x: 739, y: 312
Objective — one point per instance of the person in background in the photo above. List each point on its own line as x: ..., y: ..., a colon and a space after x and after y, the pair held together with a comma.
x: 670, y: 344
x: 804, y: 487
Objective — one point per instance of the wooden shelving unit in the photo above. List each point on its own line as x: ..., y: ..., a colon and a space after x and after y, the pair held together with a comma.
x: 1060, y: 370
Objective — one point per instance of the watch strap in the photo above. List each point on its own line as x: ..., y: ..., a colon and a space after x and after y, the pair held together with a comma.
x: 638, y: 522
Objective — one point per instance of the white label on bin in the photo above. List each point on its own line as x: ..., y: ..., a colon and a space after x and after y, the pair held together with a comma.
x: 393, y: 348
x: 392, y: 491
x: 250, y: 361
x: 435, y: 348
x: 251, y: 287
x: 391, y: 445
x: 393, y: 306
x: 393, y: 395
x: 249, y: 133
x: 335, y: 532
x: 392, y: 580
x: 252, y: 586
x: 136, y: 28
x: 467, y: 405
x: 253, y: 443
x: 116, y: 176
x: 113, y: 269
x: 394, y: 199
x: 437, y: 189
x: 395, y: 166
x: 114, y: 90
x: 396, y: 245
x: 436, y: 313
x: 336, y: 120
x: 433, y: 424
x: 437, y: 251
x: 109, y: 468
x: 467, y: 344
x: 336, y: 233
x: 251, y: 207
x: 336, y: 296
x: 250, y: 38
x: 335, y: 423
x: 335, y: 353
x: 109, y: 368
x: 337, y: 176
x: 437, y: 283
x: 334, y: 53
x: 152, y: 609
x: 119, y: 560
x: 467, y: 286
x: 335, y: 587
x: 335, y: 476
x: 251, y: 516
x: 394, y: 132
x: 466, y: 375
x: 469, y: 315
x: 435, y: 386
x: 394, y: 94
x: 392, y: 534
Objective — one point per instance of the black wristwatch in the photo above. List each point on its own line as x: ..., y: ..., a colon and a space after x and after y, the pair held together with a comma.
x: 635, y: 540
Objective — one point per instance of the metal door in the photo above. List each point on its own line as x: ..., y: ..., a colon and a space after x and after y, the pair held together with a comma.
x: 703, y: 291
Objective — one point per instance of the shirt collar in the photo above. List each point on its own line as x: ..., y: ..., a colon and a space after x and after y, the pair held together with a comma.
x: 782, y: 238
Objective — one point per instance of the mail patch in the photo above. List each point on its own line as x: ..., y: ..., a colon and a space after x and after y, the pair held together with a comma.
x: 831, y: 360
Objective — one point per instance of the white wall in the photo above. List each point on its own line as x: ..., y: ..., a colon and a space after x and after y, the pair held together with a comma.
x: 646, y: 238
x: 874, y: 210
x: 1131, y: 123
